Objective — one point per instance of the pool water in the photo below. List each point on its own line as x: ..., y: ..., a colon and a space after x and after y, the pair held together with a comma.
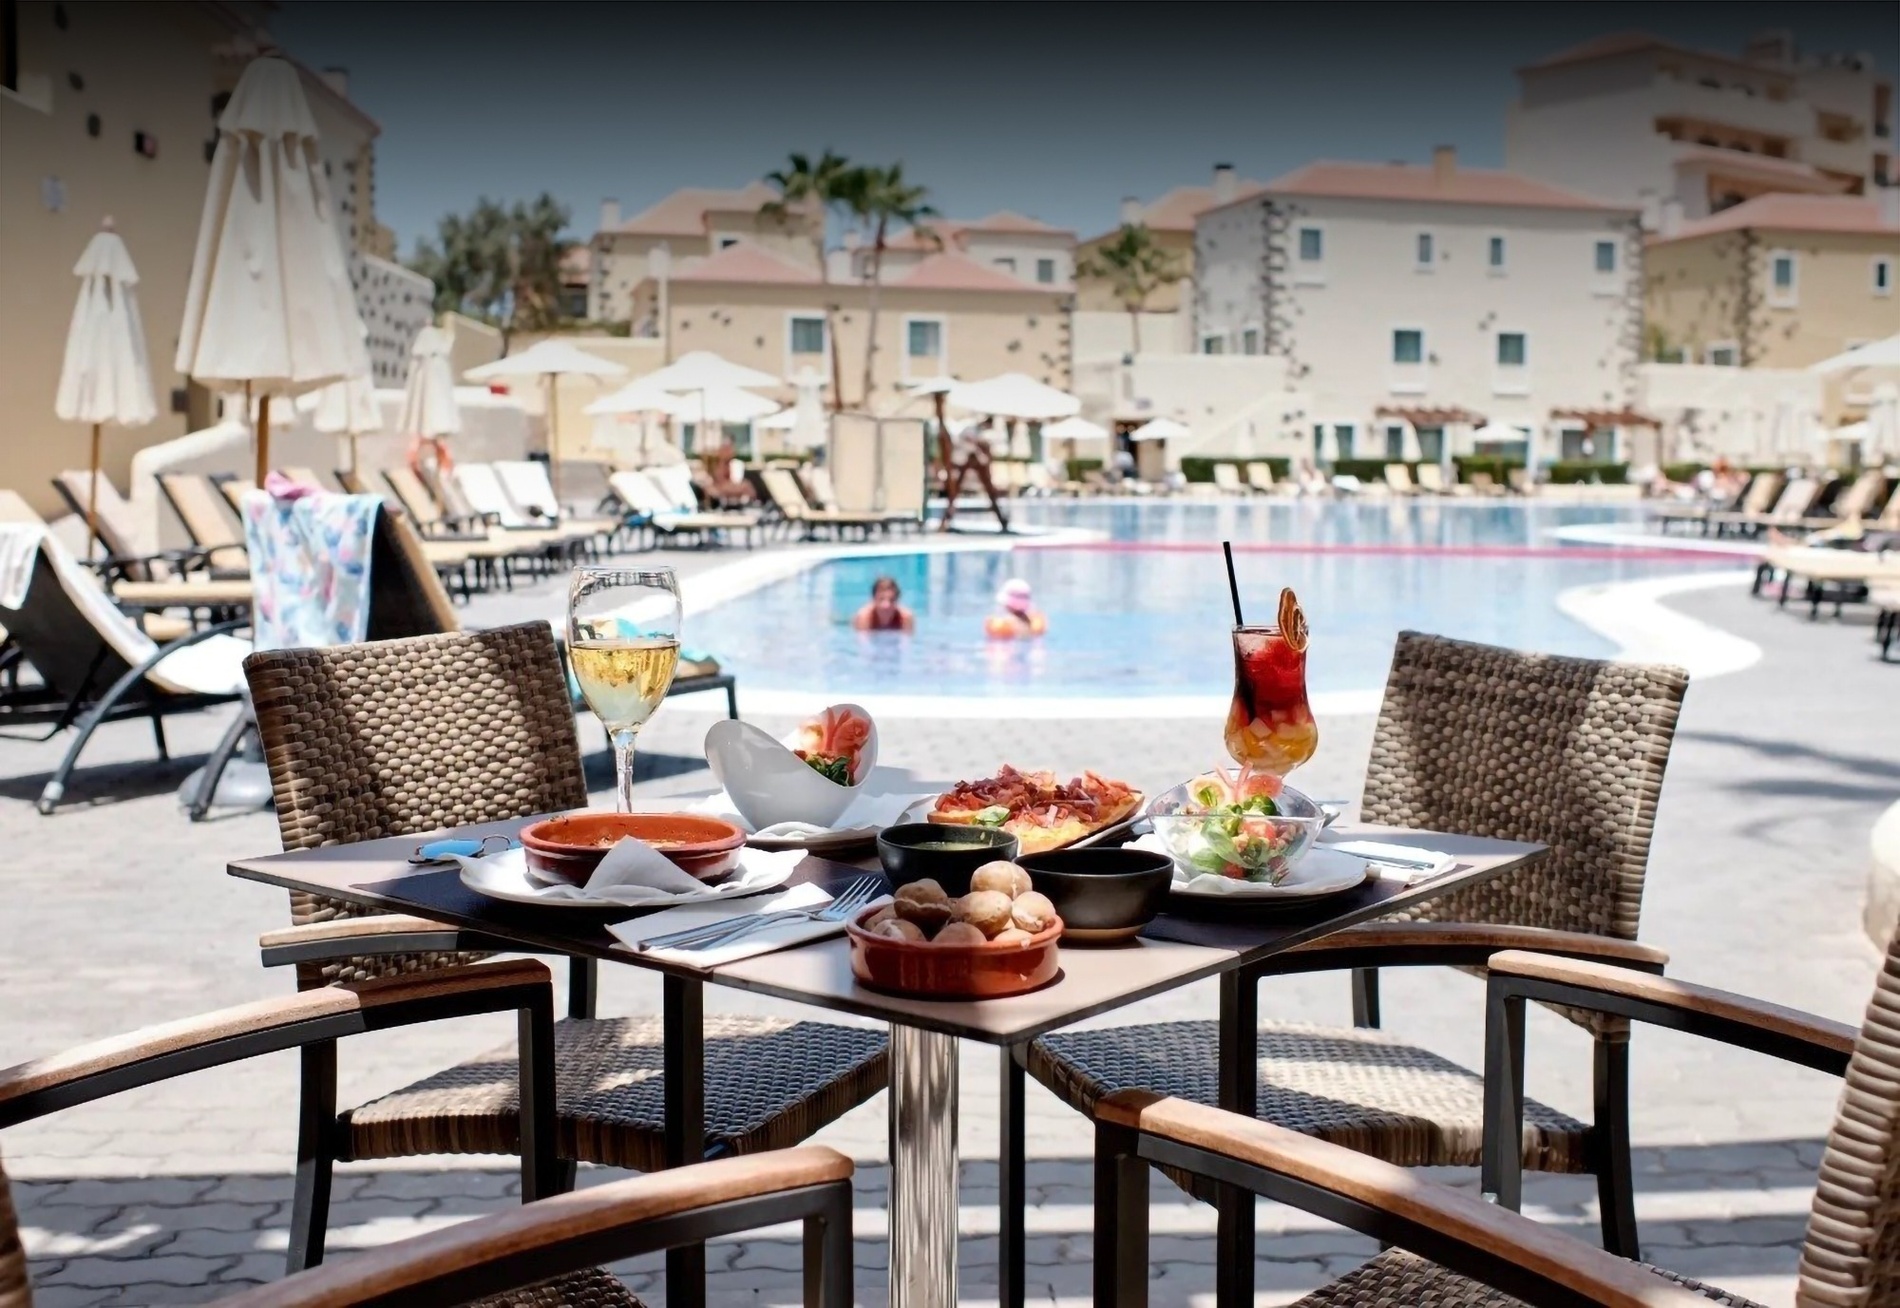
x: 1146, y: 612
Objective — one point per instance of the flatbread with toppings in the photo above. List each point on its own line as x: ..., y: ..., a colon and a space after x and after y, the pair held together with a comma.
x: 1041, y: 812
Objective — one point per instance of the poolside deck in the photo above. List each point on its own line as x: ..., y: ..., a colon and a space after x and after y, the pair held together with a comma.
x: 1761, y: 850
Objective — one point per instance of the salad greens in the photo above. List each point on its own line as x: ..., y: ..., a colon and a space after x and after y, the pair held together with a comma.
x: 831, y: 769
x: 1209, y: 797
x: 993, y: 816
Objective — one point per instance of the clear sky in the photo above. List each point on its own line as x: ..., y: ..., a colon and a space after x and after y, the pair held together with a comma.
x: 1053, y: 110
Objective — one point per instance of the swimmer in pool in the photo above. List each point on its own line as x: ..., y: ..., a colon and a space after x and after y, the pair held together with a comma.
x: 884, y: 613
x: 1016, y: 615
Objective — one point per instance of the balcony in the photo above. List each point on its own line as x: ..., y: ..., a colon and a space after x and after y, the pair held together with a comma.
x: 1735, y: 108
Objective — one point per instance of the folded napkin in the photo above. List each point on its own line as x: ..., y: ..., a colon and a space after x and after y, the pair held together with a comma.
x: 766, y: 940
x: 1403, y: 863
x: 634, y: 874
x: 866, y: 813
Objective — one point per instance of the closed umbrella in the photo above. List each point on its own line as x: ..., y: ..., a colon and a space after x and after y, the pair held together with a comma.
x: 106, y: 376
x: 429, y: 410
x: 808, y: 430
x: 269, y: 307
x: 547, y: 360
x: 348, y: 408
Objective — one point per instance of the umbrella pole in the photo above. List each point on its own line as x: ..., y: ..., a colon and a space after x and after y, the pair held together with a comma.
x: 554, y: 445
x: 263, y: 434
x: 92, y: 498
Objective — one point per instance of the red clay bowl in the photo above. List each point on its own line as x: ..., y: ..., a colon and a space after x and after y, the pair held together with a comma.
x: 568, y: 848
x: 927, y: 971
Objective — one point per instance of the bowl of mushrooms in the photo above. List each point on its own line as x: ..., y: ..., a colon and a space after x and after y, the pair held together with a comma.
x: 999, y: 939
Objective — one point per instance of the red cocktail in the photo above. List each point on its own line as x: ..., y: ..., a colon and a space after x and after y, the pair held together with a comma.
x: 1270, y: 726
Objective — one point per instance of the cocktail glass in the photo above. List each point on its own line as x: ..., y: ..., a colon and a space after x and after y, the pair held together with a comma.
x: 1270, y: 725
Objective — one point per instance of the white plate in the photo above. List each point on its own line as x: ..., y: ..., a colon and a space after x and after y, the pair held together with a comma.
x: 500, y: 877
x: 1322, y: 872
x: 826, y: 841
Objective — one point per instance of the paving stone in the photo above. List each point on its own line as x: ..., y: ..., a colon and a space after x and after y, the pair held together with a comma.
x: 160, y: 1269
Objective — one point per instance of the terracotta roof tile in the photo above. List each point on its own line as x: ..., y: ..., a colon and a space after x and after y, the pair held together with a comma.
x: 1620, y: 43
x: 944, y: 235
x: 1420, y: 183
x: 1177, y: 210
x: 749, y: 263
x: 950, y: 271
x: 1006, y: 220
x: 1787, y: 172
x: 683, y: 213
x: 1792, y: 213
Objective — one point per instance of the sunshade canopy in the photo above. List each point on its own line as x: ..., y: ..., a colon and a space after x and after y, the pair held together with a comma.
x: 1014, y: 395
x: 549, y: 358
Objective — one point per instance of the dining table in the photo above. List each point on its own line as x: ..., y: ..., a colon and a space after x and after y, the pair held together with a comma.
x: 1174, y: 950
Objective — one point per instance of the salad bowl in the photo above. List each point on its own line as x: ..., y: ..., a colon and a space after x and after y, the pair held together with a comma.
x: 1241, y: 825
x: 811, y: 776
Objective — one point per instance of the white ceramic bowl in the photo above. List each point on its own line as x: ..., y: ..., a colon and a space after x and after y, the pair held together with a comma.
x: 770, y: 784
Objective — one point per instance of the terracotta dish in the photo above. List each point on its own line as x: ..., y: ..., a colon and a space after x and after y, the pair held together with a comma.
x: 931, y: 971
x: 568, y: 848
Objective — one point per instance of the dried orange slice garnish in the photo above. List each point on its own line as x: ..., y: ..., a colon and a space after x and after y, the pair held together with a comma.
x: 1292, y: 621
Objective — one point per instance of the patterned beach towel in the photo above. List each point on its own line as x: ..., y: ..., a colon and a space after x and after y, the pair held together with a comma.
x: 309, y: 567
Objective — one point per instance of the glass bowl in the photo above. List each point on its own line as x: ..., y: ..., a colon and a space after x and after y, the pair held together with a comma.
x: 1258, y: 847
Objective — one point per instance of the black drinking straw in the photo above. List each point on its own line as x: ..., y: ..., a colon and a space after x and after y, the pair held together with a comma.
x: 1233, y: 586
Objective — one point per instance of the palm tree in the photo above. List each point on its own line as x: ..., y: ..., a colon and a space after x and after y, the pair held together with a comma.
x: 1135, y: 265
x: 820, y: 184
x: 500, y: 264
x: 881, y: 198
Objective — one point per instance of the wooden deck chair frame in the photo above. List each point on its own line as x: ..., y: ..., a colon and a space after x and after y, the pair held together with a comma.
x: 123, y: 558
x: 1260, y: 477
x: 195, y: 499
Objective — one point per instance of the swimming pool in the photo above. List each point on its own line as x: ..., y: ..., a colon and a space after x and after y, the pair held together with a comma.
x: 1143, y: 611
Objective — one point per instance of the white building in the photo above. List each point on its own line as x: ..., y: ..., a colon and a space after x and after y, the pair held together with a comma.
x: 1025, y: 248
x: 394, y: 304
x: 1639, y: 121
x: 1413, y: 304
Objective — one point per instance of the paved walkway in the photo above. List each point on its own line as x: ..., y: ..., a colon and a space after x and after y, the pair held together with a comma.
x: 118, y: 913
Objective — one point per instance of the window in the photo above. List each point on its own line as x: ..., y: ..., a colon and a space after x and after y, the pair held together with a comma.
x: 1408, y: 346
x: 1312, y: 245
x: 1782, y: 288
x: 1342, y: 439
x: 1008, y: 265
x: 1046, y: 271
x: 1215, y: 344
x: 1725, y: 355
x: 727, y: 242
x: 1422, y: 251
x: 923, y: 338
x: 1250, y: 340
x: 1394, y: 442
x: 1431, y: 444
x: 1494, y: 253
x: 1883, y: 276
x: 808, y: 335
x: 1510, y: 349
x: 1606, y: 257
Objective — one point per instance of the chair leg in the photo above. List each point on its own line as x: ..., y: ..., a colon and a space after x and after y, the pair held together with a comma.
x: 1011, y: 1182
x: 1239, y: 1093
x: 583, y: 984
x: 1121, y: 1220
x: 828, y: 1254
x: 1501, y: 1170
x: 1365, y: 997
x: 1611, y: 1136
x: 684, y: 1068
x: 316, y: 1151
x: 158, y: 737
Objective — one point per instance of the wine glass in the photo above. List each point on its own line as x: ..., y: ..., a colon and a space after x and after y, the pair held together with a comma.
x: 623, y: 640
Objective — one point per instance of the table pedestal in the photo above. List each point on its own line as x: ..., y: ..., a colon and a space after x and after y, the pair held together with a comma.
x: 923, y: 1135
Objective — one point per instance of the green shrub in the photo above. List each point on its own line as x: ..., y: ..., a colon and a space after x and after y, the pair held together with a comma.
x: 1499, y: 469
x: 1367, y: 470
x: 1076, y: 467
x: 1682, y: 472
x: 1200, y: 468
x: 1582, y: 471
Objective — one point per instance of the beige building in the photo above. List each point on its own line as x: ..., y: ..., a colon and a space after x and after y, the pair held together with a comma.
x: 674, y: 235
x: 1414, y: 303
x: 1171, y: 219
x: 1781, y: 281
x: 1027, y: 249
x: 1639, y: 121
x: 947, y: 314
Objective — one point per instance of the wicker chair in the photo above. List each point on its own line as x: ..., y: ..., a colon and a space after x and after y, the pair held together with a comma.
x: 538, y: 1256
x: 397, y: 737
x: 1475, y: 740
x: 1479, y: 1253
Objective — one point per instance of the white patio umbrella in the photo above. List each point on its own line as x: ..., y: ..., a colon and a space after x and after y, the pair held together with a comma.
x: 1874, y: 354
x: 1014, y: 395
x: 269, y: 308
x: 1883, y: 421
x: 723, y: 404
x: 809, y: 430
x: 349, y: 408
x: 548, y: 360
x: 429, y: 410
x: 106, y: 376
x: 702, y: 371
x: 637, y: 397
x: 1159, y: 429
x: 1075, y: 429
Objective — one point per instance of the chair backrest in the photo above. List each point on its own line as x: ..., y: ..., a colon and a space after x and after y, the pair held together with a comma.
x: 1260, y: 476
x: 1761, y: 492
x: 1483, y: 481
x: 1398, y: 476
x: 351, y: 480
x: 196, y: 501
x: 1565, y: 751
x: 406, y: 595
x: 1797, y: 498
x: 306, y: 477
x: 823, y: 494
x: 675, y: 483
x: 1860, y: 496
x: 783, y: 488
x: 1431, y: 477
x: 639, y: 492
x: 389, y: 738
x: 414, y: 494
x: 526, y: 483
x: 1889, y: 519
x: 1851, y: 1258
x: 117, y: 531
x: 482, y: 487
x: 234, y: 489
x: 1227, y: 477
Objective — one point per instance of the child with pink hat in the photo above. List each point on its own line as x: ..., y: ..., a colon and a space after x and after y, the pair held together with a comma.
x: 1017, y: 616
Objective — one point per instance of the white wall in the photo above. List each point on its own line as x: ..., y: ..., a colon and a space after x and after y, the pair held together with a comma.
x: 1708, y: 410
x: 1102, y: 334
x: 1232, y: 405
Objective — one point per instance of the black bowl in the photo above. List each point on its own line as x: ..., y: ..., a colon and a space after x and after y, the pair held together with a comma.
x: 1102, y: 894
x: 904, y: 862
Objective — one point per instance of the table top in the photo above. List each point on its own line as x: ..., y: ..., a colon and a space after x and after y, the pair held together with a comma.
x: 1171, y: 952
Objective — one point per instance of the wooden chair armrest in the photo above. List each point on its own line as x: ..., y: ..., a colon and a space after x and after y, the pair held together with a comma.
x: 1453, y: 1227
x: 1459, y: 943
x: 518, y: 1245
x: 227, y: 1035
x: 372, y: 936
x: 1682, y: 1005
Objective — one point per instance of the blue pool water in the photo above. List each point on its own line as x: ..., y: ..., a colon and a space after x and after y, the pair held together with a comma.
x: 1146, y: 612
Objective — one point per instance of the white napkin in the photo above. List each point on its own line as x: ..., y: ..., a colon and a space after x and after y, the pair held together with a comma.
x: 634, y: 874
x: 780, y: 935
x: 865, y: 812
x: 1403, y: 871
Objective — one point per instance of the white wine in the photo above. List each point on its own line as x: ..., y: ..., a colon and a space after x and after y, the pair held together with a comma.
x: 623, y: 681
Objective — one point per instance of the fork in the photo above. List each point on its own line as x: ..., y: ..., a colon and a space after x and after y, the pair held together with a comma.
x: 854, y: 897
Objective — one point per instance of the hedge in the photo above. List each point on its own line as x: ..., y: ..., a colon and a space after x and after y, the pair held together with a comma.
x: 1076, y: 467
x: 1197, y: 468
x: 1499, y: 469
x: 1682, y: 472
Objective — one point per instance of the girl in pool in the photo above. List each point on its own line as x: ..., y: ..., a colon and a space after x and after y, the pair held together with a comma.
x: 1016, y: 615
x: 884, y: 613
